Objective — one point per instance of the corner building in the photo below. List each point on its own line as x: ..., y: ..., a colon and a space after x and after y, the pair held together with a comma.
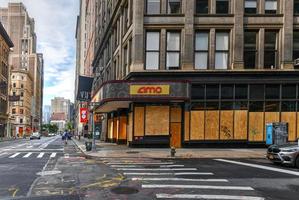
x: 196, y: 72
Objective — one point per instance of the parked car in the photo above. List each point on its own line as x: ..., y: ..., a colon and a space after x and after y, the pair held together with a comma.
x: 285, y: 154
x: 35, y: 135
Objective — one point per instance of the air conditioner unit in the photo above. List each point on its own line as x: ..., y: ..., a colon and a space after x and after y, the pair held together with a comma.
x: 296, y: 62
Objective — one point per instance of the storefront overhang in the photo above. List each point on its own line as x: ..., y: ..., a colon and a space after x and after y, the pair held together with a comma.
x: 114, y: 95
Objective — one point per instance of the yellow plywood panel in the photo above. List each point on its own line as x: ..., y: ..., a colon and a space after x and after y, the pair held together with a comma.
x: 298, y: 124
x: 212, y: 125
x: 175, y: 138
x: 270, y: 117
x: 290, y: 118
x: 227, y: 125
x: 240, y: 125
x: 115, y: 127
x: 256, y: 126
x: 122, y: 135
x: 139, y: 121
x: 197, y: 125
x: 176, y: 114
x: 157, y: 120
x: 130, y: 128
x: 187, y: 126
x: 110, y: 128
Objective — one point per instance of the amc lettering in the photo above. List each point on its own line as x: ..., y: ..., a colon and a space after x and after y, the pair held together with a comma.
x: 150, y: 90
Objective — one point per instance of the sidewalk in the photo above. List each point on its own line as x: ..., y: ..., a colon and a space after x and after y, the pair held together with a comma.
x: 110, y: 150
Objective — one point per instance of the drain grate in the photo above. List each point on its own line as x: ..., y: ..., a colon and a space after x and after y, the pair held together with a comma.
x: 132, y: 152
x: 124, y: 190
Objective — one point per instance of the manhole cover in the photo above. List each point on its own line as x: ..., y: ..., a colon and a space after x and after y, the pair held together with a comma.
x: 124, y: 190
x: 47, y: 173
x: 132, y: 152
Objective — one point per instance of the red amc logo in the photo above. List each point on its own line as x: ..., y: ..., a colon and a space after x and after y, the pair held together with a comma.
x: 149, y: 90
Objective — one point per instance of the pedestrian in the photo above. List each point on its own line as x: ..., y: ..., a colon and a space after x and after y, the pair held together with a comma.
x: 65, y: 137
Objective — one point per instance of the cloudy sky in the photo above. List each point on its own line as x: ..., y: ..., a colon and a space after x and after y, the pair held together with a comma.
x: 55, y: 22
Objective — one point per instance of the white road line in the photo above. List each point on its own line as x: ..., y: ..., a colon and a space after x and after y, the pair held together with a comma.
x: 29, y: 147
x: 27, y: 155
x: 167, y: 173
x: 154, y: 169
x: 132, y: 166
x: 194, y: 173
x: 66, y: 155
x: 260, y: 167
x: 40, y: 155
x: 2, y: 154
x: 53, y: 155
x: 139, y: 163
x: 203, y: 196
x: 15, y: 155
x: 178, y: 179
x: 210, y: 187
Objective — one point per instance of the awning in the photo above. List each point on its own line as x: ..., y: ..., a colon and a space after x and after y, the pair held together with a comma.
x: 84, y: 88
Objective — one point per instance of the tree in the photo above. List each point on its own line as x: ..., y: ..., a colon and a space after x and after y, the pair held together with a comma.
x: 69, y: 126
x: 51, y: 128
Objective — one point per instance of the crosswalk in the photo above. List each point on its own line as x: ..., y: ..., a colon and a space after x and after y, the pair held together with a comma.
x: 29, y: 155
x: 169, y: 180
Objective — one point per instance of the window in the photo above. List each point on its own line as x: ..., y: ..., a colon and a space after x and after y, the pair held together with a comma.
x: 257, y: 92
x: 272, y: 91
x: 21, y: 111
x: 221, y: 57
x: 212, y: 92
x: 272, y: 106
x: 289, y: 91
x: 222, y: 6
x: 296, y: 47
x: 22, y: 85
x: 198, y: 92
x: 173, y: 50
x: 250, y: 49
x: 288, y: 106
x: 270, y: 55
x: 22, y: 94
x: 202, y: 6
x: 14, y: 85
x: 153, y: 7
x: 13, y: 111
x: 227, y: 91
x: 174, y: 7
x: 250, y: 6
x: 270, y: 6
x: 296, y: 7
x: 256, y: 106
x: 21, y: 121
x: 152, y: 50
x: 201, y: 50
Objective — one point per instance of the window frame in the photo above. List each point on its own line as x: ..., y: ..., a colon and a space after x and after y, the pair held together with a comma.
x: 146, y: 8
x: 173, y: 51
x: 270, y: 12
x: 251, y: 50
x: 296, y: 2
x: 201, y: 51
x: 198, y: 13
x: 271, y: 50
x: 256, y: 8
x: 228, y: 7
x: 153, y: 51
x: 168, y: 9
x: 222, y: 51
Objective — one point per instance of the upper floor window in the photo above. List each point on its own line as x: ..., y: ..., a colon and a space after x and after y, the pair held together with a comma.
x: 152, y: 50
x: 270, y: 54
x: 250, y: 49
x: 202, y: 6
x: 296, y: 7
x: 270, y: 6
x: 250, y: 6
x: 222, y: 50
x: 174, y: 7
x: 296, y: 46
x: 222, y: 6
x: 173, y: 50
x: 201, y: 50
x: 153, y: 6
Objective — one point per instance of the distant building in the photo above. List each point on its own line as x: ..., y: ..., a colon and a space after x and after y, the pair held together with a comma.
x: 61, y: 105
x: 60, y: 120
x: 46, y: 114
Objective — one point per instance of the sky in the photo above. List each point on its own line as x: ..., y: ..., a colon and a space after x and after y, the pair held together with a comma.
x: 55, y: 26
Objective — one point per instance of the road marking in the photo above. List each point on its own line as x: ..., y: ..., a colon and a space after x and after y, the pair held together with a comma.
x: 210, y: 187
x: 29, y: 147
x: 167, y: 173
x: 194, y: 173
x: 53, y: 155
x: 203, y: 196
x: 15, y: 155
x: 40, y: 155
x: 139, y: 163
x: 178, y: 179
x: 260, y: 167
x: 132, y: 166
x: 154, y: 169
x: 2, y: 154
x: 27, y: 155
x: 66, y: 155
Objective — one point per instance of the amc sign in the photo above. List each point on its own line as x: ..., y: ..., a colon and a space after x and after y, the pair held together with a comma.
x: 149, y: 90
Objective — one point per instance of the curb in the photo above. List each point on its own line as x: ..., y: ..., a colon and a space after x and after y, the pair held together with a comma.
x: 87, y: 156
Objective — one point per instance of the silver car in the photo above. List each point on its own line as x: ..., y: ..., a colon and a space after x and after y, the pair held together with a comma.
x: 286, y: 154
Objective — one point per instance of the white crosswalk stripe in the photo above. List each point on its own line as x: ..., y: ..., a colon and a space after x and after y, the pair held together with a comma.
x: 40, y: 155
x: 27, y: 155
x: 156, y: 169
x: 201, y: 196
x: 53, y: 155
x: 133, y: 166
x: 212, y: 187
x: 179, y: 179
x: 167, y: 173
x: 14, y: 155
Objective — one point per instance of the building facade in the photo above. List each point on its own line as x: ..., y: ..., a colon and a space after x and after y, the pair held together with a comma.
x: 61, y: 105
x: 26, y: 71
x: 46, y: 114
x: 196, y: 72
x: 5, y: 45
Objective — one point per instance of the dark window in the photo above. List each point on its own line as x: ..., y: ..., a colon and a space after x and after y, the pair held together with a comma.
x: 22, y: 94
x: 198, y: 92
x: 227, y: 91
x: 270, y: 56
x: 288, y: 106
x: 250, y: 49
x: 212, y: 105
x: 296, y: 48
x: 13, y: 111
x: 256, y: 106
x: 21, y: 111
x: 198, y: 106
x: 241, y: 91
x: 272, y: 106
x: 202, y: 6
x: 227, y: 105
x: 272, y: 91
x: 250, y: 6
x: 14, y: 85
x: 21, y: 121
x: 296, y: 7
x: 270, y: 6
x: 212, y: 92
x: 289, y: 91
x: 257, y: 92
x: 174, y: 6
x: 22, y: 86
x: 153, y: 6
x: 222, y: 6
x: 241, y: 105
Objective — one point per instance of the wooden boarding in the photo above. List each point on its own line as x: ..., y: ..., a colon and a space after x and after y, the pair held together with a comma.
x: 157, y: 120
x: 212, y: 125
x: 122, y: 134
x: 297, y: 124
x: 240, y: 125
x: 130, y: 128
x: 115, y: 127
x: 139, y: 121
x: 270, y: 117
x: 197, y: 128
x: 187, y: 126
x: 227, y: 125
x: 110, y: 128
x: 290, y: 118
x: 176, y: 114
x: 175, y: 138
x: 256, y: 126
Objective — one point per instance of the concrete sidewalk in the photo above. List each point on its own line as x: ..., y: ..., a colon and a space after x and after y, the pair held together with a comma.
x: 109, y: 150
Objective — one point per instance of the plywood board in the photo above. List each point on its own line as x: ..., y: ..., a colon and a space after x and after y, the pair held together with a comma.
x: 175, y: 138
x: 139, y: 121
x: 110, y: 128
x: 130, y: 128
x: 157, y: 120
x: 227, y: 125
x: 115, y: 127
x: 256, y: 126
x: 290, y: 118
x: 270, y: 117
x: 197, y: 125
x: 212, y: 125
x: 187, y: 126
x: 176, y: 114
x: 240, y: 125
x: 298, y: 124
x: 122, y: 134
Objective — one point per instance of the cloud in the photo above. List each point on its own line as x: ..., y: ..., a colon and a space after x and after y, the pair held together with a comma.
x: 55, y: 23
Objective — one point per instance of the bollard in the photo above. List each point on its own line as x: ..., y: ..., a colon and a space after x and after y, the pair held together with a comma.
x: 172, y: 152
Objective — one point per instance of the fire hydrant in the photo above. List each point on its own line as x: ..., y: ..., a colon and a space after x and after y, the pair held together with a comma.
x: 172, y: 152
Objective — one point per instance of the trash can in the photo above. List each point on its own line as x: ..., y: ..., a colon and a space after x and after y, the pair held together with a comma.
x: 88, y: 146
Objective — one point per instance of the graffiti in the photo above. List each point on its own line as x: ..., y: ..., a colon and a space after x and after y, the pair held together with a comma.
x: 226, y: 131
